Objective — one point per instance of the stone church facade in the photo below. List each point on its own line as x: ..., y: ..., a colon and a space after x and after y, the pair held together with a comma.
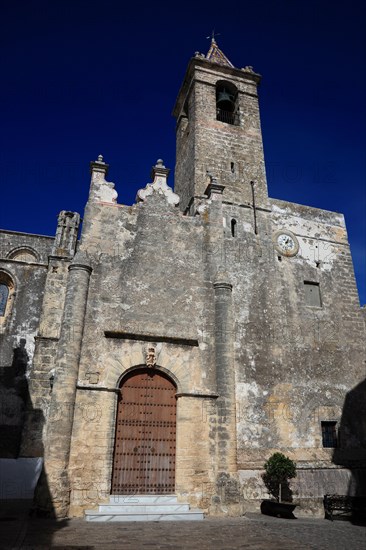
x: 182, y: 340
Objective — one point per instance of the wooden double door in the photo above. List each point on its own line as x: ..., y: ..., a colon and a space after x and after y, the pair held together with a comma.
x: 144, y: 450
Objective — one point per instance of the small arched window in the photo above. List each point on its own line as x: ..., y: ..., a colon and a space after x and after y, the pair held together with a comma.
x: 6, y: 295
x: 227, y: 103
x: 233, y: 228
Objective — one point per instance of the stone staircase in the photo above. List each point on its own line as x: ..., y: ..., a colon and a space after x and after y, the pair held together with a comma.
x: 143, y: 508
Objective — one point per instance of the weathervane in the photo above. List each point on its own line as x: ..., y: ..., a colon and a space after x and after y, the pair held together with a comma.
x: 213, y: 34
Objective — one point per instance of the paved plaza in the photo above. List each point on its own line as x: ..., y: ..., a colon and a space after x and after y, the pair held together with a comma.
x: 253, y: 531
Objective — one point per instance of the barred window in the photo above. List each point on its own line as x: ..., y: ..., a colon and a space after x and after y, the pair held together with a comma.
x: 329, y: 434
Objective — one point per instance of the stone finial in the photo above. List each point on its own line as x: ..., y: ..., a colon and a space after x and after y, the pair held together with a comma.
x: 159, y: 174
x: 211, y: 176
x: 248, y: 69
x: 101, y: 189
x: 214, y: 187
x: 159, y: 170
x: 99, y: 165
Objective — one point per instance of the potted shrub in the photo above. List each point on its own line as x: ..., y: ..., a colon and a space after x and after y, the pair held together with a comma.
x: 279, y: 469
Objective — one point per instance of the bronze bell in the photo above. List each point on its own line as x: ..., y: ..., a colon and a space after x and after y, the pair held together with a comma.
x: 225, y: 101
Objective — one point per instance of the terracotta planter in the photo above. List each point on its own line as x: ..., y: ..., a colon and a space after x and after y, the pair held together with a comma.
x: 278, y: 509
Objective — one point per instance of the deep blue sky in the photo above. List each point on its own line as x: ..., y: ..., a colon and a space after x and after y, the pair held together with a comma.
x: 81, y: 78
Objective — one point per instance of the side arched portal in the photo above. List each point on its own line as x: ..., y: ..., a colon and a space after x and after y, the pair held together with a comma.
x: 144, y: 449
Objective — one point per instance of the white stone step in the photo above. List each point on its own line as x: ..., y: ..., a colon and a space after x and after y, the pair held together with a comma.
x: 143, y: 508
x: 131, y: 500
x: 191, y: 515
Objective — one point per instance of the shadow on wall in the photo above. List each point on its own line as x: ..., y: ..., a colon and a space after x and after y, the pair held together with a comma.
x: 19, y: 471
x: 14, y: 393
x: 351, y: 450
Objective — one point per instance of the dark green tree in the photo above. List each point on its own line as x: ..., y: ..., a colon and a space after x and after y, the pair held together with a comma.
x: 279, y: 469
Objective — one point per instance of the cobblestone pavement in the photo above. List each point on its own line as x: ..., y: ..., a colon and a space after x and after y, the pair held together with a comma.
x: 253, y: 531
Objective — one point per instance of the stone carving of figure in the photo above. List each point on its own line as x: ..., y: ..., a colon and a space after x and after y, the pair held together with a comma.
x: 150, y: 357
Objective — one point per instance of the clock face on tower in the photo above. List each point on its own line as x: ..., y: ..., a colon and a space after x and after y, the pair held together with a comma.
x: 286, y: 243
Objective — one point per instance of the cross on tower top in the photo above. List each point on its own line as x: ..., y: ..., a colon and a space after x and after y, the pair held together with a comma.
x: 212, y: 36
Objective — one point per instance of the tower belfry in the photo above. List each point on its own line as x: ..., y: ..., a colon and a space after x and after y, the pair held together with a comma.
x: 218, y: 130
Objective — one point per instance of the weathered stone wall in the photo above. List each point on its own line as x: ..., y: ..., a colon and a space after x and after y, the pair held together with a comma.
x: 154, y: 275
x: 24, y: 258
x: 294, y: 363
x: 148, y: 280
x: 185, y: 151
x: 42, y: 376
x: 13, y: 245
x: 23, y: 265
x: 308, y: 488
x: 155, y: 272
x: 44, y: 363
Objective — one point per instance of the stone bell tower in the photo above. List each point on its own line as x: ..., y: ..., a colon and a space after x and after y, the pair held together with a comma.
x: 218, y: 131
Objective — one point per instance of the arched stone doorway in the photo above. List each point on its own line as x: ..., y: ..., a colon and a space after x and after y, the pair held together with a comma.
x: 144, y: 449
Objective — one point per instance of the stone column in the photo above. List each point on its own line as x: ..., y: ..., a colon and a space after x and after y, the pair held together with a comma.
x: 227, y: 498
x: 55, y: 492
x: 225, y: 376
x: 213, y: 246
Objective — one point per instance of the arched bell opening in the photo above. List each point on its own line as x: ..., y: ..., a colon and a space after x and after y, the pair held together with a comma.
x: 145, y: 437
x: 227, y: 102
